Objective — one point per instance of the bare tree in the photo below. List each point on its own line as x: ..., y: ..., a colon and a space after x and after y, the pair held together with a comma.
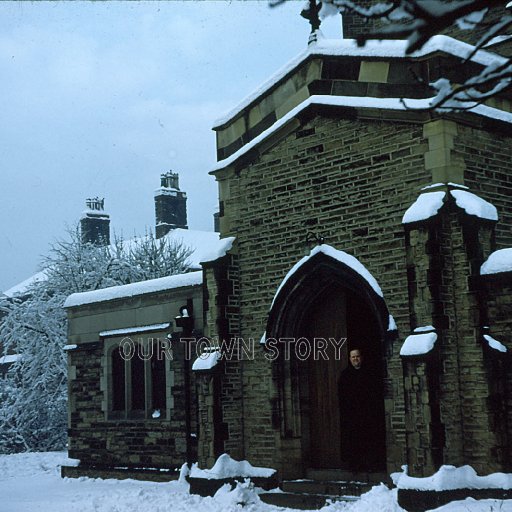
x: 419, y: 20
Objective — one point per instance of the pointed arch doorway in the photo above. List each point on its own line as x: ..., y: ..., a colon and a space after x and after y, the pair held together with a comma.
x: 336, y: 309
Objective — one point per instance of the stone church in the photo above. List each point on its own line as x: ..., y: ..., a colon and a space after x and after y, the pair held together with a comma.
x: 327, y: 155
x: 346, y: 213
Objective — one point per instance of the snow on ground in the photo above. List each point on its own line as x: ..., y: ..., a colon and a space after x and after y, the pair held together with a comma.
x: 31, y: 482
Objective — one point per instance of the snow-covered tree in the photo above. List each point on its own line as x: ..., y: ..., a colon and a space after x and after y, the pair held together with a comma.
x: 33, y: 395
x: 419, y: 20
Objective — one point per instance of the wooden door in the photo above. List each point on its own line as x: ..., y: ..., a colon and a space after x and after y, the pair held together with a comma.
x: 327, y: 319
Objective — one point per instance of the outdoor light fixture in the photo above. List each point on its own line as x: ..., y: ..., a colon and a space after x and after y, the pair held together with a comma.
x: 184, y: 319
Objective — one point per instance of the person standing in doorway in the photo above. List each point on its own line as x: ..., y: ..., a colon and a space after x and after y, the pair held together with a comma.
x: 360, y: 406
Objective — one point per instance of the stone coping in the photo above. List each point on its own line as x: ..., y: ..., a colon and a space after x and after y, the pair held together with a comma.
x: 105, y: 472
x: 420, y: 501
x: 209, y: 486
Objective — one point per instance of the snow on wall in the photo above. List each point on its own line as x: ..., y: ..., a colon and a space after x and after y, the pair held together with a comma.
x: 226, y: 467
x: 337, y: 255
x: 219, y: 250
x: 455, y: 185
x: 134, y: 330
x: 349, y: 48
x: 94, y: 214
x: 424, y: 328
x: 498, y: 261
x: 357, y: 102
x: 495, y: 344
x: 426, y: 205
x: 474, y: 205
x: 133, y: 289
x: 167, y: 191
x: 206, y: 361
x: 451, y: 477
x: 418, y: 344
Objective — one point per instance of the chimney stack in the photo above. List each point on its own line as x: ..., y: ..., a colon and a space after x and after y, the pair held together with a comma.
x: 95, y: 222
x: 170, y: 205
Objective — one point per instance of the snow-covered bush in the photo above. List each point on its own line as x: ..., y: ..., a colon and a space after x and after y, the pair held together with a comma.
x: 33, y: 394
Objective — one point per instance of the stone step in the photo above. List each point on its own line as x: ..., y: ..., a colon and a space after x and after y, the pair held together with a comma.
x: 373, y: 478
x: 331, y: 488
x: 301, y: 501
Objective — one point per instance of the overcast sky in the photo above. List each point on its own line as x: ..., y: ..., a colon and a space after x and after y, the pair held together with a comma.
x: 100, y: 98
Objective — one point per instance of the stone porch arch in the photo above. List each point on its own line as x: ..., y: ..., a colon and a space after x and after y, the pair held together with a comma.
x: 320, y: 285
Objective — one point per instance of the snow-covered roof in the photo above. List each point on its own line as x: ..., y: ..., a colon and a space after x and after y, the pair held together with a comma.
x: 374, y: 49
x: 498, y: 261
x: 428, y: 204
x: 356, y: 102
x: 130, y: 290
x: 418, y: 344
x: 337, y: 255
x: 448, y: 478
x: 226, y: 467
x: 22, y: 287
x: 205, y: 245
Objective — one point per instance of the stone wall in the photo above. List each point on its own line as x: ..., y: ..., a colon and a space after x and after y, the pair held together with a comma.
x: 497, y: 304
x: 487, y: 156
x: 220, y: 404
x: 444, y: 258
x: 99, y: 438
x: 96, y: 440
x: 350, y: 181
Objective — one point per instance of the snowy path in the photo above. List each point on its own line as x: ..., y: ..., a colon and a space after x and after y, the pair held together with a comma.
x: 31, y: 483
